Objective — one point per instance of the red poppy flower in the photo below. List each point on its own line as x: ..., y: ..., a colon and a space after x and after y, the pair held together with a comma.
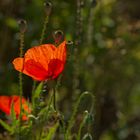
x: 42, y: 62
x: 6, y: 103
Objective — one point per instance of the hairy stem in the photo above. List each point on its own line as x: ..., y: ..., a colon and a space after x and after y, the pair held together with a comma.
x: 21, y: 79
x: 44, y: 30
x: 72, y: 119
x: 20, y: 74
x: 54, y: 98
x: 77, y: 43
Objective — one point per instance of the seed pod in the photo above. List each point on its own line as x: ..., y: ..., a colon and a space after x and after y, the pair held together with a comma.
x: 82, y: 3
x: 94, y: 3
x: 58, y: 36
x: 69, y: 42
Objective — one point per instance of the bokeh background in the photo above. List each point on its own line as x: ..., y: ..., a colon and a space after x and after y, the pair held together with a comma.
x: 104, y: 59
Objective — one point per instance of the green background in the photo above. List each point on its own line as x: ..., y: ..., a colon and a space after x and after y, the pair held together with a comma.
x: 105, y: 62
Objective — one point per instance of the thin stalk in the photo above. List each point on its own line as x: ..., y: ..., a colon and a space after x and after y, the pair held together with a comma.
x: 54, y: 92
x: 71, y: 121
x: 20, y: 74
x: 40, y: 135
x: 90, y: 26
x: 44, y: 29
x: 78, y: 32
x: 21, y: 77
x: 34, y: 87
x: 54, y: 98
x: 81, y: 126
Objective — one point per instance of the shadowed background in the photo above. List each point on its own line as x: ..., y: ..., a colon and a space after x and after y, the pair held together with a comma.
x: 105, y: 57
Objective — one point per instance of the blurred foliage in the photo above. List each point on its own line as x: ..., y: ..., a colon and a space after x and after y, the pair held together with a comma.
x: 107, y: 60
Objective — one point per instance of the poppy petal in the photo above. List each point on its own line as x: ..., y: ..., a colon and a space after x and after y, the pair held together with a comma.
x: 18, y: 64
x: 61, y: 52
x: 41, y: 54
x: 56, y: 66
x: 36, y: 70
x: 25, y: 107
x: 6, y: 104
x: 31, y: 68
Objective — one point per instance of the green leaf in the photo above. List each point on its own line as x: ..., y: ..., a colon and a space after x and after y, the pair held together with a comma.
x: 6, y: 126
x: 38, y: 90
x: 52, y: 131
x: 15, y: 121
x: 36, y: 93
x: 13, y: 114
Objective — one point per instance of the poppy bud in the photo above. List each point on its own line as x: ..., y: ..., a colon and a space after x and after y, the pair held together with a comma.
x: 22, y: 25
x: 86, y: 112
x: 48, y: 7
x: 82, y: 4
x: 94, y: 3
x: 69, y: 42
x: 58, y: 36
x: 87, y: 137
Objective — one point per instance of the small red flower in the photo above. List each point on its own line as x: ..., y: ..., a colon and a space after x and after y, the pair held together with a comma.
x: 42, y: 62
x: 6, y: 103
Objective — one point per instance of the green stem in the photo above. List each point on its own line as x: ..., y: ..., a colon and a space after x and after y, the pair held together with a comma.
x: 20, y: 74
x: 21, y: 78
x: 71, y: 121
x: 44, y: 30
x: 78, y: 32
x: 81, y: 126
x: 54, y: 92
x: 54, y: 98
x: 34, y: 87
